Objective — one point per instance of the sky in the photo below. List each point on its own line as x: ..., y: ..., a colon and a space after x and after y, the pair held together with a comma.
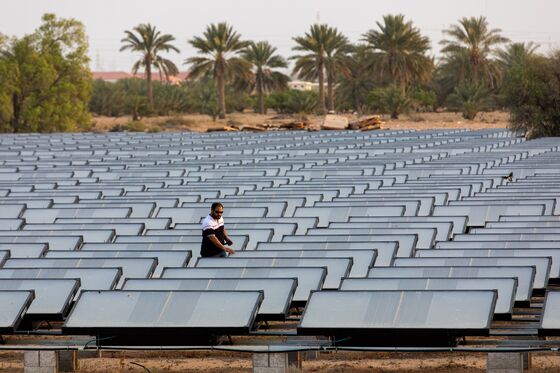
x: 274, y: 21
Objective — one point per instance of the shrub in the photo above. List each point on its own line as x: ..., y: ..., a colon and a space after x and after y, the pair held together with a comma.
x: 532, y: 94
x: 470, y: 99
x: 292, y: 101
x: 389, y: 100
x: 133, y: 126
x: 424, y: 100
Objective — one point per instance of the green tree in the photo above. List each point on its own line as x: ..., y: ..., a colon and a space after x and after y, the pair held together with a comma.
x: 532, y: 95
x: 356, y: 81
x: 337, y: 50
x: 516, y: 54
x: 470, y: 98
x: 474, y: 42
x: 400, y: 51
x: 46, y: 78
x: 146, y: 40
x: 312, y: 64
x: 219, y: 48
x: 264, y: 79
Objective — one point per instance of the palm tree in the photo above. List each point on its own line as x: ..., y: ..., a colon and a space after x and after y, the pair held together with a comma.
x: 311, y: 66
x: 263, y: 59
x: 473, y: 37
x: 150, y: 43
x: 357, y: 81
x: 400, y: 51
x: 516, y: 54
x: 337, y: 49
x: 219, y: 49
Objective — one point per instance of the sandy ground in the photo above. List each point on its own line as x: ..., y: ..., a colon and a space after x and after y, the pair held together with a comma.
x: 200, y: 123
x: 352, y: 362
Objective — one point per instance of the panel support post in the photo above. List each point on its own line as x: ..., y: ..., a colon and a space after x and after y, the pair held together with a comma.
x: 40, y: 361
x: 527, y: 361
x: 284, y: 362
x: 504, y: 362
x: 67, y: 361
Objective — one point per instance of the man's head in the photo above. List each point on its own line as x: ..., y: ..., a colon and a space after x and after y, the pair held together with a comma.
x: 216, y: 210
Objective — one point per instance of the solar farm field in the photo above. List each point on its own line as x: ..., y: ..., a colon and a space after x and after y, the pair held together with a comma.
x: 389, y: 243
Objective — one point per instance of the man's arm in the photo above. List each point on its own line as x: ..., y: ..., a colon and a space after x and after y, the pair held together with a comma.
x: 228, y: 240
x: 218, y: 244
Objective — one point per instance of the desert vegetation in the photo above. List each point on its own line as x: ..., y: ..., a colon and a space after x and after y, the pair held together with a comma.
x: 46, y: 84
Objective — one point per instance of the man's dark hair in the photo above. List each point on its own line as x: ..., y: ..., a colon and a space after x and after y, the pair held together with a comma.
x: 215, y: 205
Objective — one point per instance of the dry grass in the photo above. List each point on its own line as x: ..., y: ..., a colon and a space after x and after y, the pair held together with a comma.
x: 201, y: 123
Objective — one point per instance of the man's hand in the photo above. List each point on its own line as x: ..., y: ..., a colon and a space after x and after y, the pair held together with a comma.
x: 229, y: 250
x: 229, y: 242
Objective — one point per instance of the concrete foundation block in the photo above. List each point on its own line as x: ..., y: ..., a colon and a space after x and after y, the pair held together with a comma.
x: 504, y: 362
x: 48, y: 358
x: 31, y: 359
x: 40, y: 370
x: 276, y: 363
x: 67, y: 361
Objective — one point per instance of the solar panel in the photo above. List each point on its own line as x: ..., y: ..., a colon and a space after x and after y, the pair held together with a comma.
x: 362, y: 260
x: 12, y: 211
x: 192, y: 215
x: 506, y: 287
x: 179, y: 314
x: 402, y: 317
x: 10, y: 224
x: 443, y: 229
x: 54, y: 242
x: 50, y: 215
x: 332, y: 214
x: 553, y: 254
x: 278, y: 292
x: 192, y: 243
x: 98, y: 235
x: 542, y: 265
x: 85, y: 229
x: 24, y: 250
x: 165, y: 258
x: 337, y: 268
x: 13, y: 305
x: 385, y: 251
x: 525, y: 275
x: 479, y: 215
x: 308, y: 278
x: 149, y: 223
x: 255, y: 235
x: 425, y: 236
x: 405, y: 243
x: 131, y: 267
x: 52, y: 297
x: 303, y: 223
x: 90, y: 278
x: 279, y: 229
x: 550, y: 322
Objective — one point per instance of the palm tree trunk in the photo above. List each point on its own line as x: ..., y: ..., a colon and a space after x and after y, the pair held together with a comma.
x: 330, y: 87
x: 149, y: 84
x: 322, y: 107
x: 260, y: 92
x: 221, y: 96
x: 475, y: 73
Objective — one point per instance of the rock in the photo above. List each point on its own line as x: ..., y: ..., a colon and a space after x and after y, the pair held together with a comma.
x: 334, y: 122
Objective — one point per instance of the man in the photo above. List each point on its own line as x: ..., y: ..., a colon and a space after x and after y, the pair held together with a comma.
x: 214, y: 234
